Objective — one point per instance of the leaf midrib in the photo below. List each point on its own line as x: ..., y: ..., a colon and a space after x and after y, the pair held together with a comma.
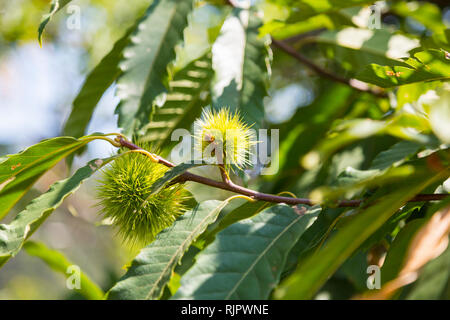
x: 47, y: 155
x: 177, y: 252
x: 157, y: 54
x: 263, y: 253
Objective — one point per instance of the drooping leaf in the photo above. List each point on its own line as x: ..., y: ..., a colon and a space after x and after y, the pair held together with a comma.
x: 188, y: 93
x: 13, y: 235
x: 315, y: 270
x: 59, y: 263
x: 55, y: 6
x: 425, y: 66
x: 241, y: 61
x: 20, y: 171
x: 152, y: 269
x: 233, y: 267
x: 144, y: 67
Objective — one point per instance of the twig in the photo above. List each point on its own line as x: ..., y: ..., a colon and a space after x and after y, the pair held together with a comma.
x: 224, y: 174
x: 230, y: 186
x: 355, y: 84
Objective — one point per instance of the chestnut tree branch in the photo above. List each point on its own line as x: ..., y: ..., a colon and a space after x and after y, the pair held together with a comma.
x: 230, y: 186
x: 355, y: 84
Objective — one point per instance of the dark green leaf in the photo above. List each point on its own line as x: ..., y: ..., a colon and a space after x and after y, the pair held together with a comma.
x: 152, y: 269
x: 433, y: 281
x: 395, y: 155
x: 428, y: 14
x: 313, y: 237
x: 397, y: 254
x: 426, y: 66
x: 188, y: 94
x: 20, y: 171
x: 247, y: 258
x: 144, y: 67
x: 56, y: 5
x: 241, y: 61
x: 281, y: 30
x: 315, y: 270
x: 245, y: 211
x: 13, y: 235
x: 171, y: 174
x: 303, y: 9
x: 355, y: 48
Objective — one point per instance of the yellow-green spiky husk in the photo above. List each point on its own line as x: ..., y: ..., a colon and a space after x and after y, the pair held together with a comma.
x: 228, y: 130
x: 124, y: 194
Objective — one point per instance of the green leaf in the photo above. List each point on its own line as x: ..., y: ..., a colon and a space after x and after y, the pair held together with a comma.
x: 280, y: 30
x: 428, y: 14
x: 439, y: 40
x: 403, y: 125
x: 426, y: 66
x: 20, y: 171
x: 96, y: 83
x: 433, y: 281
x: 316, y: 269
x: 395, y: 155
x: 352, y: 181
x: 307, y: 8
x: 152, y: 269
x: 247, y: 258
x: 313, y: 237
x: 144, y: 67
x: 188, y: 94
x: 241, y: 61
x: 59, y: 263
x: 171, y: 174
x: 56, y: 5
x: 410, y: 93
x: 355, y: 48
x: 312, y: 121
x: 399, y: 249
x: 245, y: 211
x: 13, y: 235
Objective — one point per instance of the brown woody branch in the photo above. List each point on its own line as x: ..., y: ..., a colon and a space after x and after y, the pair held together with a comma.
x: 355, y: 84
x: 228, y: 185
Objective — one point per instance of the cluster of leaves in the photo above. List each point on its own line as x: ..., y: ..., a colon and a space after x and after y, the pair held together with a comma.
x: 385, y: 148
